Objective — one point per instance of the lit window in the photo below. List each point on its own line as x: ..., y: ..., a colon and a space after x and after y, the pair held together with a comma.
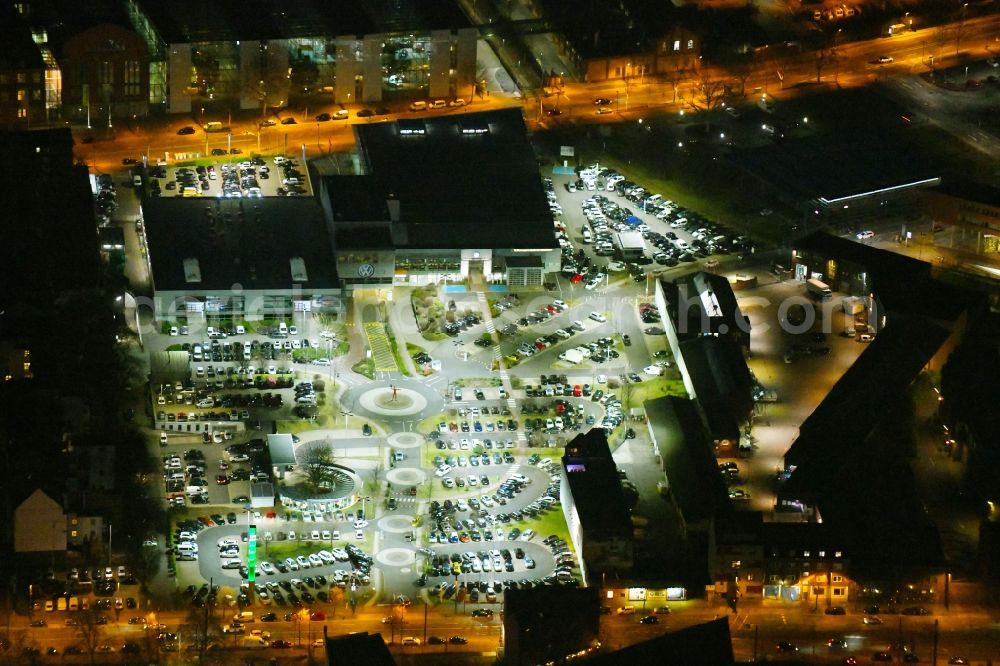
x: 837, y: 553
x: 749, y: 577
x: 690, y: 44
x: 805, y: 553
x: 677, y: 45
x: 736, y: 564
x: 22, y: 113
x: 73, y: 534
x: 838, y: 579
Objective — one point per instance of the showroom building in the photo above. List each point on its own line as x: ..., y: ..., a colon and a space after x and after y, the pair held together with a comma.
x: 474, y: 213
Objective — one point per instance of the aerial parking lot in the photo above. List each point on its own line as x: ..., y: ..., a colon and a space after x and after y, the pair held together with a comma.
x: 240, y: 177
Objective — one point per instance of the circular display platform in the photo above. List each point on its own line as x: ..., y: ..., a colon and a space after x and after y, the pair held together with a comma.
x: 407, y: 476
x: 381, y: 401
x: 396, y: 557
x: 404, y: 440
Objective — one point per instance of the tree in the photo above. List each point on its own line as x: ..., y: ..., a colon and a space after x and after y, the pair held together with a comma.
x: 676, y: 74
x: 316, y: 465
x: 710, y: 89
x: 91, y: 631
x: 824, y: 57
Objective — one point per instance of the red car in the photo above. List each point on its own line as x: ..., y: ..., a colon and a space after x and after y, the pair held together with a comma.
x: 280, y: 644
x: 318, y: 616
x: 577, y: 391
x: 222, y: 480
x: 576, y: 279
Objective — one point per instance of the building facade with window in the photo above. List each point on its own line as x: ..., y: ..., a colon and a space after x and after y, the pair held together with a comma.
x: 394, y: 224
x: 105, y: 71
x: 22, y: 73
x: 264, y: 53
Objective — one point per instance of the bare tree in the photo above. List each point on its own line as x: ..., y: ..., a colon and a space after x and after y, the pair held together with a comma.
x: 676, y: 74
x: 711, y: 90
x: 90, y: 628
x: 316, y: 465
x: 825, y: 57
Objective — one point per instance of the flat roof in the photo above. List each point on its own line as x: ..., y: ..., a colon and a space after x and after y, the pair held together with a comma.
x: 872, y: 387
x: 840, y: 170
x: 901, y: 283
x: 970, y: 191
x: 682, y: 440
x: 595, y: 485
x: 455, y: 190
x: 192, y: 21
x: 208, y: 244
x: 17, y: 49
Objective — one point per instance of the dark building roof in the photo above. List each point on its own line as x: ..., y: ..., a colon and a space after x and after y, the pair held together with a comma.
x: 454, y: 189
x: 968, y: 190
x: 63, y: 20
x: 18, y: 50
x: 189, y: 21
x: 720, y: 374
x: 595, y: 485
x: 739, y: 527
x: 597, y: 28
x: 688, y: 461
x: 247, y: 242
x: 548, y: 623
x: 875, y: 385
x: 706, y: 303
x: 857, y: 162
x: 707, y: 644
x: 357, y: 648
x: 901, y: 283
x: 49, y: 229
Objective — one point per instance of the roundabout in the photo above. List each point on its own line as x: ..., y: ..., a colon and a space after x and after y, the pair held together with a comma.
x: 404, y: 440
x: 404, y: 400
x: 396, y: 524
x: 396, y: 557
x: 406, y: 476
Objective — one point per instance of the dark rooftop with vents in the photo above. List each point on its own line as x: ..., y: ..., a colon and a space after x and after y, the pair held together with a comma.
x: 597, y: 490
x: 258, y: 250
x: 189, y: 21
x: 458, y: 186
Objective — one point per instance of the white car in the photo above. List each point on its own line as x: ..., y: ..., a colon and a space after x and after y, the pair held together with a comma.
x: 315, y: 560
x: 340, y: 554
x: 865, y: 235
x: 616, y: 267
x: 360, y: 524
x: 598, y: 317
x: 326, y: 535
x: 654, y: 370
x: 303, y: 562
x: 314, y: 535
x: 267, y: 568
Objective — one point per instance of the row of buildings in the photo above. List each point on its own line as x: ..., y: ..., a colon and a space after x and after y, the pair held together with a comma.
x: 363, y: 233
x: 848, y: 517
x: 123, y: 59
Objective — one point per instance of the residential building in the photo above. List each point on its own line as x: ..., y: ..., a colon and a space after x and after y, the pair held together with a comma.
x: 22, y: 72
x: 259, y: 53
x: 626, y: 41
x: 39, y: 525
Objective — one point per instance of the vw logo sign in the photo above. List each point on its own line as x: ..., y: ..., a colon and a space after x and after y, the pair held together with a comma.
x: 366, y: 270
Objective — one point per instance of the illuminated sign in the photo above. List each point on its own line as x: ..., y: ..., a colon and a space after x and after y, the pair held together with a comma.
x: 252, y: 553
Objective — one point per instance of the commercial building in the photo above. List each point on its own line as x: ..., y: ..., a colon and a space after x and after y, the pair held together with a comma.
x: 709, y: 338
x: 964, y: 215
x: 258, y: 53
x: 845, y: 465
x: 234, y: 259
x: 594, y: 505
x: 444, y: 199
x: 706, y: 644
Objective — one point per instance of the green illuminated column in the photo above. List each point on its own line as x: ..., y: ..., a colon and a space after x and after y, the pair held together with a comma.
x: 252, y: 560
